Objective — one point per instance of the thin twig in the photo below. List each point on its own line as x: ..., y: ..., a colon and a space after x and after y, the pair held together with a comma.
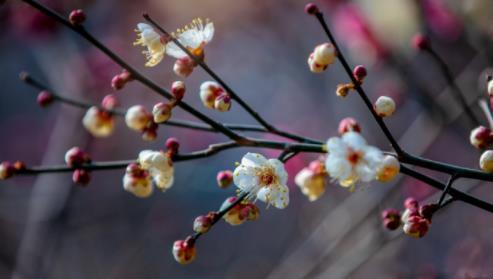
x: 445, y: 191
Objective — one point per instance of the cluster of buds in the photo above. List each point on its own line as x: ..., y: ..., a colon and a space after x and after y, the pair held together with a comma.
x: 224, y: 179
x: 75, y: 158
x: 416, y: 219
x: 139, y: 119
x: 312, y: 180
x: 384, y: 106
x: 99, y: 121
x: 120, y: 80
x: 481, y: 137
x: 241, y: 212
x: 213, y: 96
x: 137, y: 181
x: 45, y: 98
x: 322, y: 56
x: 184, y: 251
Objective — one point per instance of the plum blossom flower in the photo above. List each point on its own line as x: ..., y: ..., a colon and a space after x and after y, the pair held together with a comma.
x: 149, y: 38
x: 350, y: 159
x: 264, y: 178
x: 312, y: 180
x: 160, y: 167
x: 137, y: 181
x: 98, y: 122
x: 194, y: 37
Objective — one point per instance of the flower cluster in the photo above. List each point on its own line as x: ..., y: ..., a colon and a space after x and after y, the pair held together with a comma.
x: 415, y: 219
x: 312, y: 180
x: 239, y: 213
x: 75, y: 157
x: 213, y: 96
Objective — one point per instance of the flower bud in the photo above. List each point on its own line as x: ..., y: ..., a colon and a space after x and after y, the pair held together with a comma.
x: 421, y: 42
x: 359, y: 72
x: 161, y: 112
x: 250, y: 211
x: 312, y: 183
x: 184, y: 251
x: 137, y: 118
x: 98, y: 122
x: 150, y: 132
x: 486, y: 161
x: 384, y: 106
x: 315, y: 67
x: 209, y: 91
x: 311, y: 9
x: 416, y: 226
x: 75, y: 157
x: 184, y: 66
x: 178, y: 90
x: 391, y: 219
x: 224, y: 178
x: 82, y: 177
x: 324, y: 54
x: 348, y: 124
x: 77, y: 17
x: 490, y: 88
x: 203, y: 223
x: 233, y: 216
x: 388, y: 169
x: 137, y: 181
x: 411, y: 204
x: 172, y: 144
x: 109, y: 102
x: 481, y: 137
x: 222, y: 103
x: 45, y: 98
x: 427, y: 210
x: 7, y: 170
x: 18, y: 165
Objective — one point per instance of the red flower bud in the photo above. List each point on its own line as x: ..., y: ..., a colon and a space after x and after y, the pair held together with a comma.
x: 359, y: 72
x: 416, y: 226
x: 77, y: 17
x: 76, y: 157
x: 224, y: 178
x: 427, y: 210
x: 45, y: 98
x: 172, y: 144
x: 178, y: 90
x: 82, y: 177
x: 311, y: 9
x: 411, y: 204
x: 348, y: 124
x: 184, y: 251
x: 109, y: 102
x: 7, y: 170
x: 203, y: 223
x: 480, y: 137
x: 391, y: 219
x: 421, y: 42
x: 117, y: 82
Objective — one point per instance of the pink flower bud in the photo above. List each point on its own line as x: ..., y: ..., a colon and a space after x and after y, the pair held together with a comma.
x: 317, y: 167
x: 222, y: 103
x: 224, y: 178
x: 7, y: 170
x: 427, y: 210
x: 82, y: 177
x: 45, y: 98
x: 348, y: 124
x: 75, y: 157
x: 311, y: 9
x: 184, y: 251
x: 250, y: 211
x: 126, y: 76
x: 481, y: 137
x: 150, y: 132
x: 109, y: 102
x: 391, y: 219
x: 172, y: 144
x: 117, y: 82
x: 411, y: 204
x: 233, y: 216
x: 184, y: 66
x: 359, y: 72
x: 77, y: 17
x: 178, y: 90
x: 203, y: 223
x: 161, y: 112
x: 416, y: 226
x: 421, y: 42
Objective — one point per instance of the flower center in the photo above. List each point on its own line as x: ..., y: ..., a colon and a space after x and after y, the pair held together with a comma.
x: 354, y: 156
x: 267, y: 177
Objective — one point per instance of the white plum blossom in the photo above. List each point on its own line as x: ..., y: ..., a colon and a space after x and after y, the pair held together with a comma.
x: 160, y: 167
x: 137, y: 181
x: 98, y: 122
x: 264, y: 178
x: 150, y: 39
x: 350, y: 159
x: 137, y: 117
x: 194, y: 37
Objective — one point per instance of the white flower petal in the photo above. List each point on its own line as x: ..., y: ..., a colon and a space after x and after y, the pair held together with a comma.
x: 253, y: 160
x: 354, y: 140
x: 338, y: 168
x: 276, y: 195
x: 245, y: 178
x: 208, y: 33
x: 280, y: 170
x: 336, y: 146
x: 175, y: 51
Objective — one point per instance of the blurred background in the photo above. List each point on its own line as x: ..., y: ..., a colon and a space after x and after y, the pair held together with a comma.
x: 51, y: 228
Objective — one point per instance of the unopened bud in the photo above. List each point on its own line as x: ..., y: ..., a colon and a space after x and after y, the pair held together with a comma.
x: 481, y: 137
x: 178, y: 90
x: 7, y: 170
x: 109, y: 102
x: 184, y: 66
x: 384, y: 106
x: 45, y: 98
x: 421, y: 42
x: 137, y: 118
x: 348, y: 124
x: 184, y: 251
x: 150, y: 132
x: 172, y: 144
x: 388, y: 169
x: 486, y: 161
x: 359, y: 72
x: 77, y: 17
x: 75, y: 157
x: 324, y: 54
x: 416, y: 226
x: 233, y: 216
x: 222, y: 103
x: 391, y: 219
x: 427, y: 210
x: 250, y: 211
x: 82, y: 177
x: 209, y: 91
x: 203, y: 223
x: 411, y: 204
x: 224, y: 178
x: 311, y: 9
x: 161, y: 112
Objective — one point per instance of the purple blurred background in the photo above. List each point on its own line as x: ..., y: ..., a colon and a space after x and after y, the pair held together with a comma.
x: 54, y: 229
